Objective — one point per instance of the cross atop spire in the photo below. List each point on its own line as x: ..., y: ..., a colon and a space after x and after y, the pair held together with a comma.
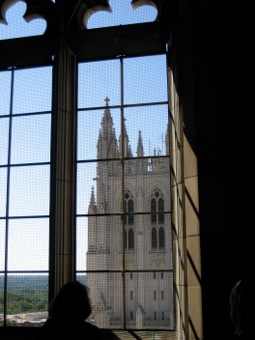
x: 107, y: 100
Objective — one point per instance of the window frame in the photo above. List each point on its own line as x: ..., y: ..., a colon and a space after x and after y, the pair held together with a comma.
x: 39, y: 52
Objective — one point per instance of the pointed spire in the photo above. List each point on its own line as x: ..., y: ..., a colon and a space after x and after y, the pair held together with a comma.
x: 126, y: 148
x: 107, y: 123
x: 107, y: 142
x: 92, y: 197
x: 92, y: 204
x: 140, y: 151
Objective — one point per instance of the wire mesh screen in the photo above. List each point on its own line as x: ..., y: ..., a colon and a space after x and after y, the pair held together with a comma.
x: 25, y: 140
x: 124, y: 243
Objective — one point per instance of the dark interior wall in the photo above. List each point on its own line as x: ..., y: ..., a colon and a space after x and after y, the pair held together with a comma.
x: 206, y: 63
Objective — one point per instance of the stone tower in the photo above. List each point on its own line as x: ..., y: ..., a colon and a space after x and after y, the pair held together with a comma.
x: 129, y: 234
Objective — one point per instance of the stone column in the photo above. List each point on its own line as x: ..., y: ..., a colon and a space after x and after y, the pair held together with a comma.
x: 62, y: 262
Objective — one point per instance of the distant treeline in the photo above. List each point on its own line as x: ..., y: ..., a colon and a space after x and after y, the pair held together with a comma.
x: 26, y: 293
x: 25, y: 283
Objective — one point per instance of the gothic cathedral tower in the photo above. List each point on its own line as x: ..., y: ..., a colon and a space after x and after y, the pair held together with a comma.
x: 129, y: 258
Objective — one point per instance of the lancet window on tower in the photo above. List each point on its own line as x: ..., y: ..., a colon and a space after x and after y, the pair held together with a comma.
x: 161, y: 237
x: 131, y: 243
x: 129, y: 239
x: 157, y: 208
x: 157, y: 238
x: 129, y: 208
x: 157, y: 219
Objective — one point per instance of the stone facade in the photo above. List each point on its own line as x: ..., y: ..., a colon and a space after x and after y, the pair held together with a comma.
x: 129, y: 234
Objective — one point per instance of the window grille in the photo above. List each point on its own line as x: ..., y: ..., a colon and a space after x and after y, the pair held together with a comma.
x: 95, y: 118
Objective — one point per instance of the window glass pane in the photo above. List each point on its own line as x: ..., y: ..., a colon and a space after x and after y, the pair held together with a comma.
x: 3, y: 187
x: 25, y: 192
x: 152, y: 122
x: 100, y: 240
x: 101, y: 179
x: 27, y: 293
x: 31, y: 139
x: 105, y: 294
x: 29, y: 190
x: 147, y: 298
x: 5, y: 81
x: 28, y: 244
x: 107, y: 291
x: 91, y: 141
x: 2, y: 245
x: 4, y: 128
x: 122, y: 164
x: 86, y: 184
x: 2, y: 295
x: 145, y: 82
x: 32, y: 90
x: 82, y: 243
x: 93, y: 90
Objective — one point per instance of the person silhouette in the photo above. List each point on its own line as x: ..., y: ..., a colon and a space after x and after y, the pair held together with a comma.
x: 68, y: 312
x: 242, y: 308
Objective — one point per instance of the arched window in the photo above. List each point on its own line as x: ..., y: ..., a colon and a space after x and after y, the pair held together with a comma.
x: 131, y: 241
x: 154, y: 238
x: 157, y: 208
x: 161, y: 237
x: 153, y: 210
x: 161, y: 217
x: 129, y: 220
x: 129, y: 208
x: 157, y: 219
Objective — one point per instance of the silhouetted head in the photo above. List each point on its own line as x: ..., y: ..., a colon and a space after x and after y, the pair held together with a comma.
x: 71, y: 302
x: 242, y: 306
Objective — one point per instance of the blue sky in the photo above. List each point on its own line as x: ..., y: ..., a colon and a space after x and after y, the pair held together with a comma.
x: 143, y: 82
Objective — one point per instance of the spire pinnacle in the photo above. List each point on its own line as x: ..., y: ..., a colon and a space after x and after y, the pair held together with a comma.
x: 92, y: 197
x: 140, y: 151
x: 107, y: 101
